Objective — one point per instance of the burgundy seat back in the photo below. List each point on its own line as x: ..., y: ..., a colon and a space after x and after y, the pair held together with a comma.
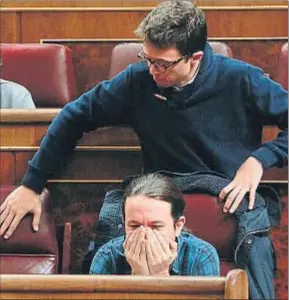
x: 46, y: 70
x: 205, y: 219
x: 126, y: 53
x: 26, y: 251
x: 282, y: 67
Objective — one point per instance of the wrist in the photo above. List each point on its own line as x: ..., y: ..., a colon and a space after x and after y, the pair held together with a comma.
x: 257, y: 161
x: 162, y: 273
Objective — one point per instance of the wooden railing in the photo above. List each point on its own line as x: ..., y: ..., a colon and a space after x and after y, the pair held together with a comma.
x: 233, y: 286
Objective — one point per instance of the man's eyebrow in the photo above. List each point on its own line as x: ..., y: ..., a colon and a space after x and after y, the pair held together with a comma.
x: 133, y: 222
x: 156, y: 223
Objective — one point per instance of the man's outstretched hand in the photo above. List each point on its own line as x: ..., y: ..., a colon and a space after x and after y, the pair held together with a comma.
x: 20, y: 202
x: 246, y: 181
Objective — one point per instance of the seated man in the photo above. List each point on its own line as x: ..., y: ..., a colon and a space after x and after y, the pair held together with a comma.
x: 154, y: 243
x: 14, y: 95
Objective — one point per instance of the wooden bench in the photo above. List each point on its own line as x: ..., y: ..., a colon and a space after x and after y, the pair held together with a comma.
x: 233, y: 286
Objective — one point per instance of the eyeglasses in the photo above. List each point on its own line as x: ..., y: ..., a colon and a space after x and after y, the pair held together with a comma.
x: 160, y: 65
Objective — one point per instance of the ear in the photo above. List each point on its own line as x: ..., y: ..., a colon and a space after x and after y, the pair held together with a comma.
x: 198, y: 55
x: 179, y: 225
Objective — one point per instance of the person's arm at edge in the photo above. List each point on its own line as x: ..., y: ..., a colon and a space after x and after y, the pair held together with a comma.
x: 270, y: 101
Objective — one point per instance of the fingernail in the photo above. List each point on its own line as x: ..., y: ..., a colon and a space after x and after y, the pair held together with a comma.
x: 36, y: 228
x: 6, y: 236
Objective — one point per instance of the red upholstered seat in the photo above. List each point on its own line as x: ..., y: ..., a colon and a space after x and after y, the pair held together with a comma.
x: 282, y: 67
x: 126, y: 53
x: 29, y: 252
x: 205, y: 219
x: 46, y: 70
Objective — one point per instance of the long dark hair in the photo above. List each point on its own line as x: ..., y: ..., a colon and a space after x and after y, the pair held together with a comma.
x: 159, y: 187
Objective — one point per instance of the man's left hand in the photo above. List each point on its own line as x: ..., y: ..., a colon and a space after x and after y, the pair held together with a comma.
x: 160, y: 251
x: 246, y: 180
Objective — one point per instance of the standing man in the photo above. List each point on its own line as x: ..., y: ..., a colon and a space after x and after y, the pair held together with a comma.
x: 213, y: 122
x: 154, y: 243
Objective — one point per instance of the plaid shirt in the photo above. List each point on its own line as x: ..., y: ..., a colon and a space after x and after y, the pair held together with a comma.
x: 195, y: 258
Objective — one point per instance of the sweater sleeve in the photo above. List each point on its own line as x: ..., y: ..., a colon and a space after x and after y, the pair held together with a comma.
x: 108, y: 103
x: 271, y: 102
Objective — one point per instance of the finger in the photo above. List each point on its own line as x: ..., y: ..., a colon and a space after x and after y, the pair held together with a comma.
x: 252, y: 196
x: 230, y: 199
x: 163, y: 241
x: 4, y: 215
x: 6, y: 225
x: 226, y: 190
x: 13, y: 226
x: 149, y: 254
x: 36, y: 220
x: 238, y: 200
x: 143, y: 251
x: 129, y: 240
x: 126, y: 238
x: 156, y: 247
x: 3, y: 206
x: 133, y: 242
x: 138, y: 243
x: 173, y: 247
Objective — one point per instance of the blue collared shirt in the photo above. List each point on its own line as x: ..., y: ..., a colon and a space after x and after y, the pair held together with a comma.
x: 195, y: 258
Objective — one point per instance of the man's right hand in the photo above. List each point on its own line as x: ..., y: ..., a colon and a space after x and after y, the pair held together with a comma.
x: 20, y: 202
x: 135, y: 253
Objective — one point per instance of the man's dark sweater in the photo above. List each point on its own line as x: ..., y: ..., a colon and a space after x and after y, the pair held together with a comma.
x: 214, y: 123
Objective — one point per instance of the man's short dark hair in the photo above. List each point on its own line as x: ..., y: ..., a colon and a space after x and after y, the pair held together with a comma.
x: 175, y: 23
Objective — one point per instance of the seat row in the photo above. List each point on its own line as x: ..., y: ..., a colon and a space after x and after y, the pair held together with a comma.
x: 47, y: 71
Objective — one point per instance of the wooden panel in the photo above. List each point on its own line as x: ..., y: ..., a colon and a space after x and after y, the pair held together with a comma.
x: 10, y: 28
x: 139, y: 3
x: 261, y: 53
x: 121, y: 24
x: 31, y: 135
x: 22, y: 135
x: 97, y: 24
x: 95, y: 165
x: 7, y: 168
x: 247, y: 23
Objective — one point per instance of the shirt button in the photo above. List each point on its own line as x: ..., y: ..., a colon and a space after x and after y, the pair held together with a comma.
x: 249, y: 241
x: 119, y: 225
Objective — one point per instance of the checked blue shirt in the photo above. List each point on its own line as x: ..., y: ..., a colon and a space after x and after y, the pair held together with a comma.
x: 195, y: 258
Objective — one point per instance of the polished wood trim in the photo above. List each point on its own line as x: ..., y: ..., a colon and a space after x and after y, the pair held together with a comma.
x: 39, y: 115
x: 85, y: 181
x: 135, y: 40
x: 137, y: 8
x: 275, y: 181
x: 78, y: 148
x: 110, y: 283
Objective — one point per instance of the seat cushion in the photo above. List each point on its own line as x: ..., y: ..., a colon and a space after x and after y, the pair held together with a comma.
x: 28, y: 264
x: 205, y: 218
x: 46, y: 70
